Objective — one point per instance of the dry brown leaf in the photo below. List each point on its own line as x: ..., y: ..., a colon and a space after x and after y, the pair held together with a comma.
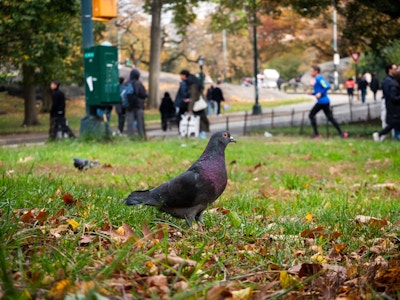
x: 173, y: 260
x: 27, y: 217
x: 181, y: 286
x: 217, y: 293
x: 85, y: 239
x: 158, y: 281
x: 339, y: 247
x: 59, y: 230
x: 309, y: 269
x: 68, y: 199
x: 366, y: 220
x: 42, y: 216
x: 388, y: 186
x: 60, y: 213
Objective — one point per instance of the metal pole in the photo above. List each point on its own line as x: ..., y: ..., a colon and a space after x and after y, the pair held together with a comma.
x: 256, y: 107
x: 87, y: 38
x: 224, y: 51
x: 87, y: 27
x: 336, y: 58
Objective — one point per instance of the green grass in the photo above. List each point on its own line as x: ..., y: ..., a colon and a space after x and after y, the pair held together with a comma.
x: 273, y: 185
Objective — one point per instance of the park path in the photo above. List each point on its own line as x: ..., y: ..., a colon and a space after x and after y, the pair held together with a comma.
x: 239, y: 123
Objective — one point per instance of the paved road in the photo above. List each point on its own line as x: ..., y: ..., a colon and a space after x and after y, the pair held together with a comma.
x: 294, y: 115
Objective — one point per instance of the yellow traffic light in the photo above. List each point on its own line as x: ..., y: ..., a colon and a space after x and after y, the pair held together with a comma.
x: 104, y: 10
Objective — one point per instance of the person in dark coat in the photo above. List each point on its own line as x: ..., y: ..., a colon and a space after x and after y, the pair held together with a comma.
x: 167, y: 110
x: 120, y: 110
x: 194, y: 88
x: 57, y: 112
x: 135, y: 112
x: 362, y: 87
x: 180, y: 105
x: 218, y: 96
x: 374, y: 84
x: 392, y: 108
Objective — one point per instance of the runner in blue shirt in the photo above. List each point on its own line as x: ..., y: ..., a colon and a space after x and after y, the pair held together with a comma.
x: 321, y: 87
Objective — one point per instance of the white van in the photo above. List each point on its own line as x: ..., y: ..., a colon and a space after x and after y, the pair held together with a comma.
x: 271, y: 77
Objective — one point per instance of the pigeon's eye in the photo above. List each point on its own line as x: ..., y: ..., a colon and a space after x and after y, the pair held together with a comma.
x: 225, y: 135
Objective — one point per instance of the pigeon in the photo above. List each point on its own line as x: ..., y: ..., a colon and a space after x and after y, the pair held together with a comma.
x: 82, y: 164
x: 188, y: 195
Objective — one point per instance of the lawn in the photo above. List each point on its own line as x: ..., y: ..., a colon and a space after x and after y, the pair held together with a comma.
x: 299, y: 219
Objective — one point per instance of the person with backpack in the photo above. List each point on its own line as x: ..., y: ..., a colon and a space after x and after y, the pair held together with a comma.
x: 136, y: 95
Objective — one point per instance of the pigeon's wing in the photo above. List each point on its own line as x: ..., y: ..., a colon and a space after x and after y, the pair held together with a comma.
x: 181, y: 191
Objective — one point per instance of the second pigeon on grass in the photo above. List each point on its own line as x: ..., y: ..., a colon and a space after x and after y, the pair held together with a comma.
x: 188, y: 195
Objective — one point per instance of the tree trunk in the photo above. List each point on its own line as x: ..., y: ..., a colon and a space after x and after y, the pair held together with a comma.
x: 155, y: 53
x: 29, y: 96
x: 46, y: 100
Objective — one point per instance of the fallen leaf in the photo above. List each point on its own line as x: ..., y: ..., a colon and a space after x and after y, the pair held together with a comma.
x: 42, y: 216
x: 27, y: 217
x: 25, y: 159
x: 388, y: 186
x: 217, y: 293
x: 366, y: 220
x: 60, y: 289
x: 309, y: 217
x: 243, y: 294
x: 74, y: 224
x: 68, y: 199
x: 319, y: 258
x: 287, y: 280
x: 85, y: 239
x: 339, y: 247
x: 173, y: 260
x: 308, y: 270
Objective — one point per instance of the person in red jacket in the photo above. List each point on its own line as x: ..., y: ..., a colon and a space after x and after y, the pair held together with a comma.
x: 350, y: 85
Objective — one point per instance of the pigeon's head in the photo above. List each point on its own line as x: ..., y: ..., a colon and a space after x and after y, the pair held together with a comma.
x: 222, y: 138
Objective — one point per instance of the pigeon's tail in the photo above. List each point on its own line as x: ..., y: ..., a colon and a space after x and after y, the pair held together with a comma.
x: 139, y: 197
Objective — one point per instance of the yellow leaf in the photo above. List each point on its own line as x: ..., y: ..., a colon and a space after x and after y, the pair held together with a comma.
x: 60, y: 289
x: 319, y: 258
x: 243, y: 294
x: 26, y: 294
x: 309, y: 217
x: 73, y: 223
x: 287, y: 280
x: 120, y: 230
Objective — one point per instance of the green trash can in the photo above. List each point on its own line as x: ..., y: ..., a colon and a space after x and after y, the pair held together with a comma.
x: 101, y: 75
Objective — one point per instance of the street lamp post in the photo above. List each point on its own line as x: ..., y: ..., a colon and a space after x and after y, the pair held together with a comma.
x: 336, y: 57
x: 256, y: 106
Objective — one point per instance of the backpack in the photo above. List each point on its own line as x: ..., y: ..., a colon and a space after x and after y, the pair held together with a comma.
x: 128, y: 95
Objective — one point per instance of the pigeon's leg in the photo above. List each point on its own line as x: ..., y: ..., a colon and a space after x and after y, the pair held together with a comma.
x: 189, y: 221
x: 199, y: 220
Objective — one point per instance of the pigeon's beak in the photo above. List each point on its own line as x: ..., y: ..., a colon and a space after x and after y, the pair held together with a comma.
x: 232, y: 140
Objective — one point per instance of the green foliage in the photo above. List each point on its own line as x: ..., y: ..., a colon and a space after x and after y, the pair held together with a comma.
x: 287, y: 64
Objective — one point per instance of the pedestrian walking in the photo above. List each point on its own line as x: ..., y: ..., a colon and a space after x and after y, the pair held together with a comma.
x: 135, y: 110
x: 194, y: 88
x: 374, y: 85
x: 58, y: 124
x: 362, y: 87
x: 350, y: 85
